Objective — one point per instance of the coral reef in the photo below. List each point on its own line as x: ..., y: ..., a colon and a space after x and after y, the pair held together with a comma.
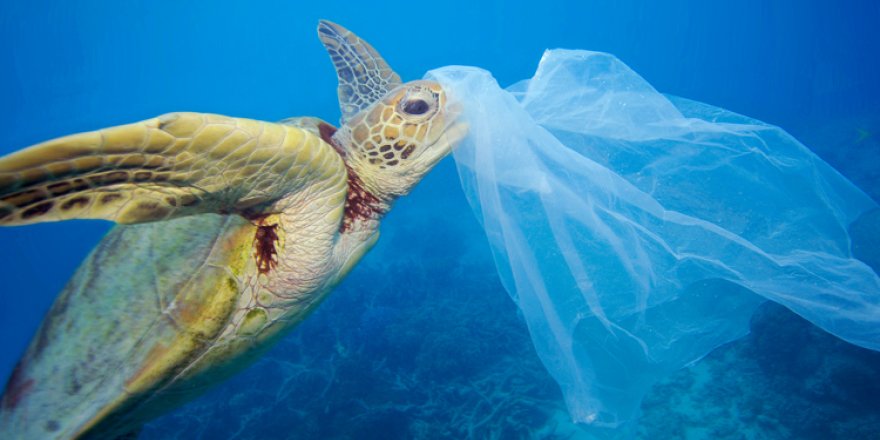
x: 786, y: 380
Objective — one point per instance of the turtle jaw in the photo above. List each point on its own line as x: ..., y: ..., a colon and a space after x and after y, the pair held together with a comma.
x: 444, y: 144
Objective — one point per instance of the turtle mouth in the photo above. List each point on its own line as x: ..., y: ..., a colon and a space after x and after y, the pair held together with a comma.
x: 445, y: 143
x: 455, y: 134
x: 455, y: 128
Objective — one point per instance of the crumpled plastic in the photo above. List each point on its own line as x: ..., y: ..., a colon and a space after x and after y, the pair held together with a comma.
x: 637, y: 231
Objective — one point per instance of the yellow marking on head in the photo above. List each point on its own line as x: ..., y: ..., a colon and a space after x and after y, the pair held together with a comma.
x: 387, y: 113
x: 360, y: 133
x: 391, y: 132
x: 409, y: 130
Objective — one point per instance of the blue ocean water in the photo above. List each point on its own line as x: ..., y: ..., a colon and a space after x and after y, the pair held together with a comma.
x: 422, y: 341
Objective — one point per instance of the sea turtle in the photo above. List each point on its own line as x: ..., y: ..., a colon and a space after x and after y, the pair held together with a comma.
x: 233, y: 231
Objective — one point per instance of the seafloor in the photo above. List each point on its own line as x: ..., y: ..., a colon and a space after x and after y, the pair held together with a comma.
x: 423, y: 342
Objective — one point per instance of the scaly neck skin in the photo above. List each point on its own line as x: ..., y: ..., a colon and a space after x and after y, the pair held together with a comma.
x: 365, y: 203
x: 365, y: 206
x: 369, y: 196
x: 316, y: 239
x: 359, y: 229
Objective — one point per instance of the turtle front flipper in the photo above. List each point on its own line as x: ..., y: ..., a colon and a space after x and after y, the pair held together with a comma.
x: 364, y: 76
x: 171, y: 166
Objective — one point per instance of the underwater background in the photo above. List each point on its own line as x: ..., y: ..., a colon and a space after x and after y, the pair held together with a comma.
x: 422, y: 341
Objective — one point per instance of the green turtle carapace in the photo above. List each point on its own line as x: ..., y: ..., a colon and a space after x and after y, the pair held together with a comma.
x: 231, y: 232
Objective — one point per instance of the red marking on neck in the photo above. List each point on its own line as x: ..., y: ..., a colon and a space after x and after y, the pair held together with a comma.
x: 360, y: 204
x: 264, y: 247
x: 16, y: 388
x: 327, y: 131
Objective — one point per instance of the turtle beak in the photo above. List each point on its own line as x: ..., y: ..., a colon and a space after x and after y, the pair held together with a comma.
x: 456, y: 133
x: 445, y: 143
x: 459, y: 128
x: 456, y: 129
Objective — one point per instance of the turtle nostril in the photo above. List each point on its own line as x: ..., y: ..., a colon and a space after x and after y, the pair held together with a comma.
x: 416, y: 107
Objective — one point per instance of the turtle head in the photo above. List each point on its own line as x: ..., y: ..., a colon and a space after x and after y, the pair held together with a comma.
x: 394, y: 142
x: 391, y: 133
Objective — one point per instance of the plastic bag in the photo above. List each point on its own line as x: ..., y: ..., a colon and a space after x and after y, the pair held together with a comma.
x: 637, y: 232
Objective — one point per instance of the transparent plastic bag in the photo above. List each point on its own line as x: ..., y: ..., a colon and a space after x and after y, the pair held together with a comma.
x: 637, y: 232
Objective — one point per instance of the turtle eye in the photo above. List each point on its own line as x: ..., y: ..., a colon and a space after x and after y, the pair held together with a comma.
x: 418, y: 104
x: 416, y: 107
